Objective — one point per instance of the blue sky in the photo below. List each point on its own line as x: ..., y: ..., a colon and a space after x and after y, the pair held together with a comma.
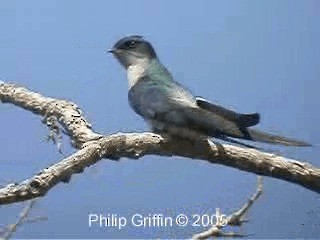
x: 247, y: 55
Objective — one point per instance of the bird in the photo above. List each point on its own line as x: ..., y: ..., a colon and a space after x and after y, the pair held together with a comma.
x: 170, y: 108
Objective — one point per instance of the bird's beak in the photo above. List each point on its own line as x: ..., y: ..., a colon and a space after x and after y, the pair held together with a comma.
x: 114, y: 50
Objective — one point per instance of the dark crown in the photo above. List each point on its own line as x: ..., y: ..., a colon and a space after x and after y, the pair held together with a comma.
x: 136, y: 43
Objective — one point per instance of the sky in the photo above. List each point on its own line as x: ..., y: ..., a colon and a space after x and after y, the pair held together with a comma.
x: 245, y: 55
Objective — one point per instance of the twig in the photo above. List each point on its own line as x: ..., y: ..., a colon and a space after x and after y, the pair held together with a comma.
x: 235, y: 219
x: 23, y: 218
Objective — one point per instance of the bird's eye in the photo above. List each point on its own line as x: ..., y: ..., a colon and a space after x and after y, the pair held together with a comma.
x: 131, y: 44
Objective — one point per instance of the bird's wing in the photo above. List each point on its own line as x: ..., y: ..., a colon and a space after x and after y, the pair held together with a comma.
x: 171, y: 104
x: 174, y: 107
x: 148, y: 100
x: 245, y: 120
x: 155, y: 100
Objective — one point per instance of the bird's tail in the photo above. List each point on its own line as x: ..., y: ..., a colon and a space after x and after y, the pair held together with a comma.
x: 260, y: 136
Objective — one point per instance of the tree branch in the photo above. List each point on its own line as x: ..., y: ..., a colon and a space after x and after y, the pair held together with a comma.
x: 23, y: 218
x: 237, y: 218
x: 93, y: 147
x: 66, y: 113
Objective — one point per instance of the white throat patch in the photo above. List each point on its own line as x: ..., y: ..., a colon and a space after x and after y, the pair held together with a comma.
x: 136, y: 71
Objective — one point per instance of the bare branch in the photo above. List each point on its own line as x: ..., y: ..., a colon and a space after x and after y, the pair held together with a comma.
x: 66, y: 113
x: 23, y: 218
x: 94, y: 147
x: 136, y: 145
x: 235, y: 219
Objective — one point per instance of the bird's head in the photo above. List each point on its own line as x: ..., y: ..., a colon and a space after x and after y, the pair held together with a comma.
x: 132, y: 50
